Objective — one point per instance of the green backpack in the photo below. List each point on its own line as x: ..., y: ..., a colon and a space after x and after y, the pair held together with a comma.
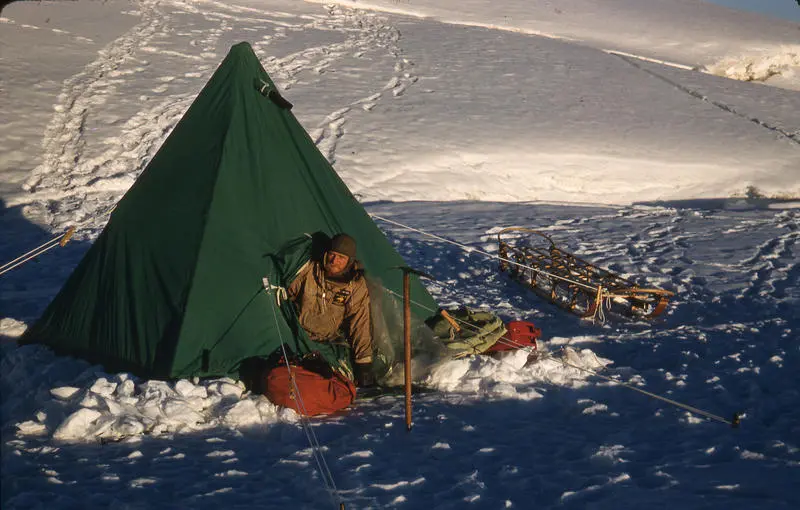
x: 466, y: 331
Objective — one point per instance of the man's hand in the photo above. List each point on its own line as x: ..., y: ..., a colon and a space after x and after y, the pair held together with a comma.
x: 364, y: 376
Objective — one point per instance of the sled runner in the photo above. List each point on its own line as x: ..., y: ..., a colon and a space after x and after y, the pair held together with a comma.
x: 573, y: 283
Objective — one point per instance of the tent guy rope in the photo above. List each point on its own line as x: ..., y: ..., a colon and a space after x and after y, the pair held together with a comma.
x: 60, y: 240
x: 316, y: 449
x: 734, y: 422
x: 469, y: 249
x: 602, y: 294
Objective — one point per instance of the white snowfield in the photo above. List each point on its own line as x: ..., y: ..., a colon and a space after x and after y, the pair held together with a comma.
x: 610, y: 125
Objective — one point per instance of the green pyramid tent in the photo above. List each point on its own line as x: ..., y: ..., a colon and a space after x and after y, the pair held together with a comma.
x: 173, y: 285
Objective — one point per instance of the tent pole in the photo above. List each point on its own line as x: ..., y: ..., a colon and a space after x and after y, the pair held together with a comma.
x: 407, y: 342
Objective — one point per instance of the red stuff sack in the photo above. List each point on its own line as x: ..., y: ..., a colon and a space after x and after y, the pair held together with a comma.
x: 317, y: 394
x: 520, y: 334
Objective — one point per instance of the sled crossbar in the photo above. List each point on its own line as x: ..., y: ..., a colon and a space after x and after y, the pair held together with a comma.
x: 573, y: 283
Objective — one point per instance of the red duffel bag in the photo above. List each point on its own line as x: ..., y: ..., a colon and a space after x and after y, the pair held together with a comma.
x: 314, y: 393
x: 520, y: 334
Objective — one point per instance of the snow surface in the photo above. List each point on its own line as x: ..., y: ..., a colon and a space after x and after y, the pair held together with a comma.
x: 601, y: 122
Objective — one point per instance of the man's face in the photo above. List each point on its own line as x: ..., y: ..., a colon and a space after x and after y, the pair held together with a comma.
x: 335, y: 263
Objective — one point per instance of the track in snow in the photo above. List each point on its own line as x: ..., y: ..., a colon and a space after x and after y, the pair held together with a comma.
x: 96, y: 144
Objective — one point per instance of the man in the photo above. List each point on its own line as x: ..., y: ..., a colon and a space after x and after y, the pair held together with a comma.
x: 333, y: 303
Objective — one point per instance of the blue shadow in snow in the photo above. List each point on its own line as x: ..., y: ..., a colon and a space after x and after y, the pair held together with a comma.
x: 26, y: 290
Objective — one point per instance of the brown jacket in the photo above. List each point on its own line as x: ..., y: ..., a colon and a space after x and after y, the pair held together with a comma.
x: 330, y: 308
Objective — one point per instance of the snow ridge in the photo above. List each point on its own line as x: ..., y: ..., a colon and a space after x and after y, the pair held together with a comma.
x: 792, y: 137
x: 760, y: 67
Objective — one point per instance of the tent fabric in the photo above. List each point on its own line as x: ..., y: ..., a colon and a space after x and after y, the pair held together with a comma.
x: 172, y: 287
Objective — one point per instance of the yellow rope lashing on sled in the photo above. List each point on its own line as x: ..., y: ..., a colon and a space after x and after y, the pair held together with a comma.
x: 598, y: 314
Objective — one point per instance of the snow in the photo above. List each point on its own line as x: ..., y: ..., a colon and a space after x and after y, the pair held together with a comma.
x: 631, y: 132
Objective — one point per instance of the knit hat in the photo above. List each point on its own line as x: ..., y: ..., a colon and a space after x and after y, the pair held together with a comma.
x: 344, y: 244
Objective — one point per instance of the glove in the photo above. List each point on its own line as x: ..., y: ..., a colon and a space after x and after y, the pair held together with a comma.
x: 364, y: 376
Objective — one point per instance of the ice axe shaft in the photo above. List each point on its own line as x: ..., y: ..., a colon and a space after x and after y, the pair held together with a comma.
x: 407, y: 271
x: 407, y: 343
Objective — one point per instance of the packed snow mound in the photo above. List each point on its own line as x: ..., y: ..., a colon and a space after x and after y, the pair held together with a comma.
x: 784, y: 62
x: 11, y: 328
x: 76, y: 402
x: 514, y: 374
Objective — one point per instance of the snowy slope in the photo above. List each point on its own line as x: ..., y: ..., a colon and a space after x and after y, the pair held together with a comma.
x: 697, y: 35
x: 455, y: 118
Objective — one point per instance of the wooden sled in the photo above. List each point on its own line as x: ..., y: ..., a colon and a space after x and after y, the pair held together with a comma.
x: 573, y: 283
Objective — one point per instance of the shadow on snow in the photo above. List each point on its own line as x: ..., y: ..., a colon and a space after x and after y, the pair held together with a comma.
x: 26, y: 290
